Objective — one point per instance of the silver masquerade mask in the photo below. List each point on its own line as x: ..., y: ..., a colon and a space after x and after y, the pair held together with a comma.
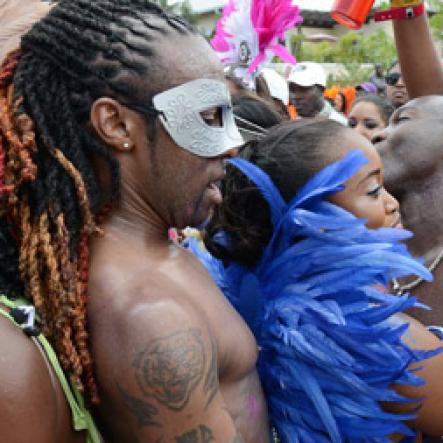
x: 180, y: 112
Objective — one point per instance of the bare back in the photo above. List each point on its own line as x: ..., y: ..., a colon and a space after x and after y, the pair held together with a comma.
x: 175, y: 362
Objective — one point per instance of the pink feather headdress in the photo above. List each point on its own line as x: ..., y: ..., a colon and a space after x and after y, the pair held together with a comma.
x: 247, y: 36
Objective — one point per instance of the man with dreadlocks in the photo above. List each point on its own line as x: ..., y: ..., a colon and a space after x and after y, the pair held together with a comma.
x: 114, y: 125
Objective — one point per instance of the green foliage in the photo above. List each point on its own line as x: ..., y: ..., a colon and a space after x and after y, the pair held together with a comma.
x: 352, y: 51
x: 182, y: 8
x: 352, y: 74
x: 353, y: 47
x: 437, y: 20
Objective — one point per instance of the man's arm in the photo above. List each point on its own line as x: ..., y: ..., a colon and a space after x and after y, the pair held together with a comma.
x: 419, y: 59
x: 164, y: 384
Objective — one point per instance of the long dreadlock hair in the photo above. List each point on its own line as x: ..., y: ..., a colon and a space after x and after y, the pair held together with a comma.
x: 49, y: 195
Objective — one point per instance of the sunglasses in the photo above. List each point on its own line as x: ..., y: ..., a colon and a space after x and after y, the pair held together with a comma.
x: 392, y: 78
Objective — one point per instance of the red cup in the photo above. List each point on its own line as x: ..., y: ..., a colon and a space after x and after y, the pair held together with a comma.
x: 351, y: 13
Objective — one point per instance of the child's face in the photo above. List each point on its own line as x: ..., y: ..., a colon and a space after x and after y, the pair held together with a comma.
x: 364, y: 194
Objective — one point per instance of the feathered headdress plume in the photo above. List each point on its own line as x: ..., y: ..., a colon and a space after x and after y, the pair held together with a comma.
x: 16, y: 18
x: 248, y: 34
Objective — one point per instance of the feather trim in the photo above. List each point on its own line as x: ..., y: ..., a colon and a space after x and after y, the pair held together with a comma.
x: 248, y: 34
x: 330, y: 351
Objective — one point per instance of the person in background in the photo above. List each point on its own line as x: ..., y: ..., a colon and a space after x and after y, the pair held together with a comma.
x: 366, y: 88
x: 378, y: 79
x: 278, y: 90
x: 396, y: 91
x: 340, y: 102
x: 369, y: 114
x: 307, y: 83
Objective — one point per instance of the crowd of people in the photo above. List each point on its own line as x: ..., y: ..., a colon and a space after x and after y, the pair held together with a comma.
x: 196, y: 253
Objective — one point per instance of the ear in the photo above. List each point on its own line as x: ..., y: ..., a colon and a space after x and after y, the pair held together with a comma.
x: 113, y: 123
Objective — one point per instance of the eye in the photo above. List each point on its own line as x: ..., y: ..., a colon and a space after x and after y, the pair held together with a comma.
x: 213, y: 117
x: 352, y: 123
x: 401, y: 118
x: 371, y: 124
x: 375, y: 192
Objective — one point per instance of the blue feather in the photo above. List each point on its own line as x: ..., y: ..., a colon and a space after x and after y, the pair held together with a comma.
x: 330, y: 351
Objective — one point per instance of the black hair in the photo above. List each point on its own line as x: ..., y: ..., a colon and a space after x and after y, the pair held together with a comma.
x: 384, y: 107
x: 290, y: 154
x: 393, y: 65
x: 345, y: 102
x: 50, y: 197
x: 254, y: 116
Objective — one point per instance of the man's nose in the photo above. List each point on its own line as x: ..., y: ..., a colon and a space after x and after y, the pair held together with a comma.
x: 400, y: 83
x: 380, y: 136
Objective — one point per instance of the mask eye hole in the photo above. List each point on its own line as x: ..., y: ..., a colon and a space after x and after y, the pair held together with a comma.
x: 213, y: 117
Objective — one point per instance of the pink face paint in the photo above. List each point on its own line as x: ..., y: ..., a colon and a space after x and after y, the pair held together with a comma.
x: 172, y: 233
x: 253, y: 411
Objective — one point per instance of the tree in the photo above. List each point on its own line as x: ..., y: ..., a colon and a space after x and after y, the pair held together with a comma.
x: 182, y: 8
x: 353, y: 51
x: 436, y: 20
x: 353, y: 47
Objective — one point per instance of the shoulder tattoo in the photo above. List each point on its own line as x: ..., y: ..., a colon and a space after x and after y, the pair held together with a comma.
x: 238, y: 438
x: 142, y: 410
x: 211, y: 385
x: 170, y: 368
x: 202, y: 434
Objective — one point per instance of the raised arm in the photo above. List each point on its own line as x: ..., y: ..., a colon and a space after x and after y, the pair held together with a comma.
x: 162, y: 384
x: 420, y: 63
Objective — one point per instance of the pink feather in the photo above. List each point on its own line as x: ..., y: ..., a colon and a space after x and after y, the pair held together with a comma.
x: 271, y: 19
x: 219, y: 42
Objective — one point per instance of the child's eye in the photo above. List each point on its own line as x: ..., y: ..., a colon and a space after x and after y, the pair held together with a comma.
x: 374, y: 192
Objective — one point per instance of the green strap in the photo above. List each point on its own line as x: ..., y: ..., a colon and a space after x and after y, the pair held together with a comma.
x: 81, y: 417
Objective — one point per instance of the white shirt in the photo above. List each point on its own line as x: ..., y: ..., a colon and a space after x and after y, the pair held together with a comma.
x: 329, y: 112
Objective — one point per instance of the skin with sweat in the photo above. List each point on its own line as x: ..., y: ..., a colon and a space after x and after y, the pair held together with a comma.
x: 169, y: 369
x: 412, y: 152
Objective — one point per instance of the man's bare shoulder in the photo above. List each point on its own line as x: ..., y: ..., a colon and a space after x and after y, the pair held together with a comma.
x: 171, y: 280
x: 137, y: 301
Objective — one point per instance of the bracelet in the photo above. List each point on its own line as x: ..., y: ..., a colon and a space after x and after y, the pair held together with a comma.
x: 400, y: 13
x: 405, y: 3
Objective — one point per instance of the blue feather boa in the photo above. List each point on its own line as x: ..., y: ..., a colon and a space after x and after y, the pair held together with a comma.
x: 328, y: 355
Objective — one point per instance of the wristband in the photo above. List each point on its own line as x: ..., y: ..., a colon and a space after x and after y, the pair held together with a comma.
x: 405, y: 3
x: 400, y: 13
